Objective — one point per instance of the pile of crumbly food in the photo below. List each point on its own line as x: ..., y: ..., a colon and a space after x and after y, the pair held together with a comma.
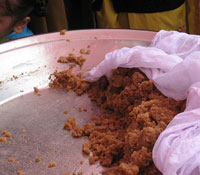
x: 133, y: 114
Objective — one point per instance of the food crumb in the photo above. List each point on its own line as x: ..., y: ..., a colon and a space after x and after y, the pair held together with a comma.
x: 39, y: 94
x: 79, y: 109
x: 80, y: 173
x: 81, y: 162
x: 85, y: 110
x: 15, y: 77
x: 36, y: 90
x: 74, y: 173
x: 37, y: 159
x: 51, y: 165
x: 70, y: 123
x: 92, y: 160
x: 68, y: 40
x: 3, y: 139
x: 66, y: 112
x: 10, y: 159
x: 83, y: 51
x: 62, y: 32
x: 6, y: 133
x: 19, y: 172
x: 67, y: 173
x: 86, y: 148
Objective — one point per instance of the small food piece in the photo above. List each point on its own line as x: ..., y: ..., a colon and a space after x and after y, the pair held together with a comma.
x: 70, y: 123
x: 63, y: 32
x: 66, y: 112
x: 92, y: 160
x: 83, y: 51
x: 80, y: 109
x: 81, y: 162
x: 77, y: 132
x: 10, y: 159
x: 51, y: 165
x: 6, y: 133
x: 80, y: 173
x: 67, y: 173
x: 15, y: 77
x: 3, y: 139
x: 85, y: 110
x: 68, y: 40
x: 19, y: 172
x: 86, y: 148
x: 39, y: 94
x: 37, y: 159
x: 36, y: 90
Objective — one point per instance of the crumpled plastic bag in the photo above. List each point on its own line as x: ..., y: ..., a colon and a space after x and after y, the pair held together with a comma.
x: 172, y: 61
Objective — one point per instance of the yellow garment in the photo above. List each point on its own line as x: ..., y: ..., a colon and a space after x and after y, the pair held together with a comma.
x: 169, y: 20
x: 193, y: 11
x: 55, y: 20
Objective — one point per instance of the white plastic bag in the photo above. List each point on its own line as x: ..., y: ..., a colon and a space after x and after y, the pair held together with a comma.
x: 172, y: 61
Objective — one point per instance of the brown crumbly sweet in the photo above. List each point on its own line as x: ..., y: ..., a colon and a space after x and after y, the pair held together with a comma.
x: 6, y: 133
x: 84, y: 51
x: 3, y: 139
x: 133, y: 114
x: 69, y: 81
x: 66, y: 112
x: 63, y: 32
x: 67, y: 173
x: 37, y: 159
x: 10, y: 159
x: 70, y: 123
x: 36, y: 90
x: 79, y: 60
x: 19, y: 172
x: 51, y: 165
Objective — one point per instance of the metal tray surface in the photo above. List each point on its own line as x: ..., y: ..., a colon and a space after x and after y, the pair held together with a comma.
x: 36, y: 122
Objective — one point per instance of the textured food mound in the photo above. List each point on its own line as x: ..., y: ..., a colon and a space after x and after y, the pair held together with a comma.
x: 134, y: 113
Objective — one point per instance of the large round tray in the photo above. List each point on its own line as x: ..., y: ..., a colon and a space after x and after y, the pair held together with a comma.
x: 36, y: 122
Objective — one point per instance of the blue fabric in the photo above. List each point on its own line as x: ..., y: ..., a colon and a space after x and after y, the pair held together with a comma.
x: 13, y: 35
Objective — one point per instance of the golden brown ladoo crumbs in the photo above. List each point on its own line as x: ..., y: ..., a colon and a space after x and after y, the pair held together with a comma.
x: 3, y: 139
x: 63, y: 32
x: 51, y: 165
x: 36, y: 90
x: 79, y: 60
x: 19, y: 172
x: 10, y: 159
x: 84, y: 51
x: 133, y: 114
x: 6, y: 133
x: 66, y: 112
x: 37, y: 159
x: 69, y: 81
